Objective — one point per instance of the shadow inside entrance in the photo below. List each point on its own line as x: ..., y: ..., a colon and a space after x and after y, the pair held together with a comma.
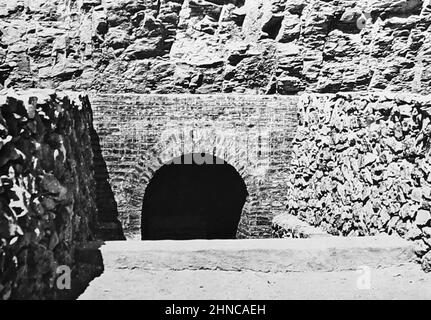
x: 196, y: 196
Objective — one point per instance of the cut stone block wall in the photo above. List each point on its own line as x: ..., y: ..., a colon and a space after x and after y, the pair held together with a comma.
x: 47, y: 189
x: 139, y: 133
x: 361, y: 165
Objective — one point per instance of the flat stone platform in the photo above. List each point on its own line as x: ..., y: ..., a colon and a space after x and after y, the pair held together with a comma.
x: 405, y: 282
x: 316, y: 268
x: 261, y: 255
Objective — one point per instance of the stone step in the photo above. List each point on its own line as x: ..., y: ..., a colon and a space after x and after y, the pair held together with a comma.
x: 260, y: 255
x: 289, y: 226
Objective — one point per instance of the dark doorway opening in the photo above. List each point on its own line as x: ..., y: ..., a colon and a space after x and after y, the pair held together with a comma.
x: 196, y: 196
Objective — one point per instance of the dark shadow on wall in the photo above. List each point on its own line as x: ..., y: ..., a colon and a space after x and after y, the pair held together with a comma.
x: 88, y: 266
x: 108, y: 225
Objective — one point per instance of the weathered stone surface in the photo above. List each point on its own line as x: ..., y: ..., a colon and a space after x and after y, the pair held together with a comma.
x: 252, y: 46
x: 361, y: 165
x: 262, y: 255
x: 289, y: 226
x: 423, y: 217
x: 426, y: 262
x: 47, y: 200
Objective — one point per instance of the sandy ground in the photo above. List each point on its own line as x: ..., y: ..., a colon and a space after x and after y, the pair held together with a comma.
x: 402, y: 282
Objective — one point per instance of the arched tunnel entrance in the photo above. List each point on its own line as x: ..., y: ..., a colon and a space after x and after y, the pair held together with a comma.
x: 196, y: 196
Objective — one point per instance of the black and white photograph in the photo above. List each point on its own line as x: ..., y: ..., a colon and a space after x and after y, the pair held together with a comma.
x: 215, y: 156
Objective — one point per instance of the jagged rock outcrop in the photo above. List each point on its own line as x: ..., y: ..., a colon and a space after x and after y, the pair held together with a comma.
x: 203, y: 46
x: 47, y: 189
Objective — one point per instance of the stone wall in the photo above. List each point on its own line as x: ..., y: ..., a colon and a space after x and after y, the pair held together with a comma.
x: 47, y: 196
x: 205, y: 46
x: 140, y: 133
x: 285, y: 47
x: 361, y: 165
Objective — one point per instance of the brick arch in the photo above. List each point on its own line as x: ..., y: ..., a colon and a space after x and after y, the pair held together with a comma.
x: 139, y: 133
x: 172, y: 146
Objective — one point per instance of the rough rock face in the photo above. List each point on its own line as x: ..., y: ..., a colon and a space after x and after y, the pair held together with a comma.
x: 47, y: 200
x: 202, y: 46
x: 361, y: 165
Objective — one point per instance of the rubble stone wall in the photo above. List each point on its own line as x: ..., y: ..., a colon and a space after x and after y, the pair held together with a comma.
x: 206, y: 46
x: 361, y: 165
x: 47, y: 196
x: 140, y: 133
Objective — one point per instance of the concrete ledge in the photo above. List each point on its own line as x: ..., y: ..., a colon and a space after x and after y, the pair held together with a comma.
x: 262, y: 255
